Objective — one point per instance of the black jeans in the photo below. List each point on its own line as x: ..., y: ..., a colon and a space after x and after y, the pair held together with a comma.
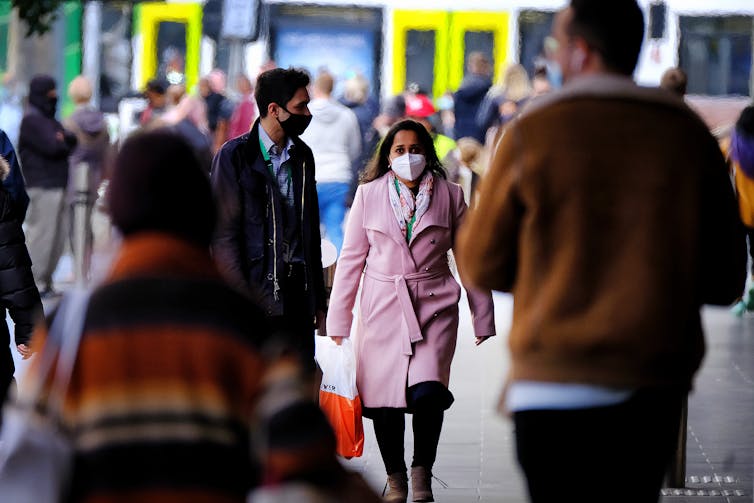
x: 619, y: 453
x: 293, y: 332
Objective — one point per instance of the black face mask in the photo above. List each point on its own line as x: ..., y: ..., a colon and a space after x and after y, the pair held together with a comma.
x: 295, y: 124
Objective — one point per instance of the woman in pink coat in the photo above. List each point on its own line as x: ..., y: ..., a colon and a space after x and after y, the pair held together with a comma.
x: 403, y: 222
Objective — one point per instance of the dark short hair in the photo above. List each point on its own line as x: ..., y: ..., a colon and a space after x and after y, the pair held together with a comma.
x: 278, y: 86
x: 674, y: 80
x: 379, y: 165
x: 614, y: 28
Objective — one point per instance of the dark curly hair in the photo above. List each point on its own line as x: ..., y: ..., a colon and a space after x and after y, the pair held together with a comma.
x: 379, y: 165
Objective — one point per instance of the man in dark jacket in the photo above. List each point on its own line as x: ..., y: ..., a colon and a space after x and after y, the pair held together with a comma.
x: 44, y: 146
x: 268, y: 238
x: 469, y: 96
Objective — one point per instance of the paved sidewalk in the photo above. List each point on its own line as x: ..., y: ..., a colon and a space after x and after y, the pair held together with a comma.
x: 476, y: 457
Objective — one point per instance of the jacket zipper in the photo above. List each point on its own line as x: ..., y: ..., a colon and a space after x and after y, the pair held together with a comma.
x: 276, y: 285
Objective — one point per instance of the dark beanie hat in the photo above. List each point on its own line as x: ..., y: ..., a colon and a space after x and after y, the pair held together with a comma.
x: 40, y: 85
x: 159, y: 185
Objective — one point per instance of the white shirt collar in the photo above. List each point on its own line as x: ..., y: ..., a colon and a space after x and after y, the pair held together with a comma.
x: 269, y: 144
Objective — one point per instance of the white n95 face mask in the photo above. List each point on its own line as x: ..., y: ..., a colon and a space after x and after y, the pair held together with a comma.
x: 409, y: 166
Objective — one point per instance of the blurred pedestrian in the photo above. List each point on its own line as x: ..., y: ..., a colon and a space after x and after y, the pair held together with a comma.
x: 297, y: 447
x: 189, y: 120
x: 335, y: 140
x: 356, y: 96
x: 468, y: 98
x: 93, y: 146
x: 506, y: 99
x: 420, y: 109
x: 401, y: 227
x: 43, y: 148
x: 219, y: 108
x: 610, y: 248
x: 174, y: 95
x: 674, y: 80
x: 156, y: 95
x: 18, y: 294
x: 246, y: 110
x: 268, y: 238
x: 740, y: 151
x: 540, y: 82
x: 161, y: 399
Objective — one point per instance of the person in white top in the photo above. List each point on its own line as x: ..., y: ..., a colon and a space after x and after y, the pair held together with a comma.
x: 335, y: 140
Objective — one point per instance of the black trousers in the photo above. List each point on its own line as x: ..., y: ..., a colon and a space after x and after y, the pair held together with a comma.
x: 293, y: 332
x: 618, y: 454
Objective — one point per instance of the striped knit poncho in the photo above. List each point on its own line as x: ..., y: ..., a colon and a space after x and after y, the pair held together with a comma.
x: 163, y: 390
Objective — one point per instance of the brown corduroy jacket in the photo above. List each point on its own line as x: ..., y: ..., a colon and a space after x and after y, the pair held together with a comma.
x: 607, y: 211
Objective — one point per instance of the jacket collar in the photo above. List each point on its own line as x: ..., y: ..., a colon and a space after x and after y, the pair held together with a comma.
x: 160, y: 254
x: 606, y: 86
x: 383, y: 219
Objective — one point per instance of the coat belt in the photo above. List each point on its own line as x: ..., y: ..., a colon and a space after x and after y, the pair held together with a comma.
x: 401, y: 281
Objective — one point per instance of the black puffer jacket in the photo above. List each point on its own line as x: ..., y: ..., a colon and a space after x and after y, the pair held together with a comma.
x: 18, y: 293
x: 247, y: 245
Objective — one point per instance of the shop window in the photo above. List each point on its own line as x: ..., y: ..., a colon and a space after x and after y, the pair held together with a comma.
x: 716, y: 53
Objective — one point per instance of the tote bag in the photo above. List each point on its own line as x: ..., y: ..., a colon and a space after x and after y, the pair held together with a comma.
x: 338, y: 396
x: 35, y: 453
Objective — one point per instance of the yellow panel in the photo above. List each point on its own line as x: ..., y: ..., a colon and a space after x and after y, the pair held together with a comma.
x: 151, y: 15
x: 405, y: 20
x: 460, y: 23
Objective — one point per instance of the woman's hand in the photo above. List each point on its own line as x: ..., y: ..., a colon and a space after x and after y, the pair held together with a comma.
x: 337, y: 340
x: 478, y: 340
x: 25, y: 351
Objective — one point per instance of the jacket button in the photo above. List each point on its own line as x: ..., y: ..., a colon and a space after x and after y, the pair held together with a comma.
x: 435, y: 315
x: 270, y: 242
x: 431, y: 294
x: 432, y: 241
x: 426, y: 269
x: 269, y: 276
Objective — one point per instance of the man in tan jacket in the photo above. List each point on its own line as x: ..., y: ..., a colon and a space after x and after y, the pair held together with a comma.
x: 608, y: 213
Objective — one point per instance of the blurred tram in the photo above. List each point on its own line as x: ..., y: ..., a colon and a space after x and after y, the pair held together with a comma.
x: 396, y: 42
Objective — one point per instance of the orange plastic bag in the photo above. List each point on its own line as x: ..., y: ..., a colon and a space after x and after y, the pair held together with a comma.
x: 338, y: 396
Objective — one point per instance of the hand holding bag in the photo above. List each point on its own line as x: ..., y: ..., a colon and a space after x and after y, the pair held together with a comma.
x: 35, y: 453
x: 338, y: 396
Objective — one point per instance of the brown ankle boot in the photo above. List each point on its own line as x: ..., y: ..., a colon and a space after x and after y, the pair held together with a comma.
x: 396, y: 489
x: 421, y: 483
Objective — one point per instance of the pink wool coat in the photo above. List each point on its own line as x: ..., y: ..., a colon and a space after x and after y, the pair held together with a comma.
x: 408, y: 312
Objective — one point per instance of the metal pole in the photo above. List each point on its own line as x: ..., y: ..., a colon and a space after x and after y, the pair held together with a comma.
x: 677, y: 472
x: 92, y: 46
x: 81, y: 223
x: 236, y: 58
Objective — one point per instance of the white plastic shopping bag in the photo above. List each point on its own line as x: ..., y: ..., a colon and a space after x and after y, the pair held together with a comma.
x: 338, y: 396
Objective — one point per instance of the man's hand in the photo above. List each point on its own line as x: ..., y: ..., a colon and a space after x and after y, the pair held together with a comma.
x: 25, y: 351
x: 479, y: 340
x: 337, y: 340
